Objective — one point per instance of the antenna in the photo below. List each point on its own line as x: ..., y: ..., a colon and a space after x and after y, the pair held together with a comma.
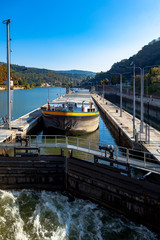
x: 48, y: 94
x: 7, y: 22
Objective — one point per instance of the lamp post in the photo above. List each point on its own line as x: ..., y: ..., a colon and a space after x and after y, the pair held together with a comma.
x: 120, y: 94
x: 134, y: 99
x: 7, y: 22
x: 103, y: 91
x: 120, y: 74
x: 134, y: 102
x: 142, y: 105
x: 142, y: 94
x: 134, y: 113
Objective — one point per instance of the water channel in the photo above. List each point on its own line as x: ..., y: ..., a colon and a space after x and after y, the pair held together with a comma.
x: 35, y: 215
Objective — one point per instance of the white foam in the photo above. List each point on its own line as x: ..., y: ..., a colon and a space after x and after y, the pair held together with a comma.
x: 52, y: 217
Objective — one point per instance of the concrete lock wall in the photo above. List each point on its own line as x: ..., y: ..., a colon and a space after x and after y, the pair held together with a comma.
x: 120, y: 136
x: 103, y: 184
x: 151, y: 109
x: 43, y: 172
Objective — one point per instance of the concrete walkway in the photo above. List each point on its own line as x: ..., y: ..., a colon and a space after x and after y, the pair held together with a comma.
x: 21, y: 125
x: 126, y: 124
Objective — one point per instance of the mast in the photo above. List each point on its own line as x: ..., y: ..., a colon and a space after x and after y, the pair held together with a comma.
x: 7, y: 22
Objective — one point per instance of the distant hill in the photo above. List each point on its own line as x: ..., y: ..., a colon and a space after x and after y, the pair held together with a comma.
x: 87, y: 73
x: 77, y: 74
x: 38, y: 76
x: 149, y: 55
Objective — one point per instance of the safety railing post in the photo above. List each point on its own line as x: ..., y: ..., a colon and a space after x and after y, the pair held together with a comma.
x: 66, y: 142
x: 37, y: 140
x: 56, y: 141
x: 127, y: 157
x: 29, y: 140
x: 77, y: 143
x: 116, y: 153
x: 89, y: 145
x: 146, y: 134
x: 144, y: 159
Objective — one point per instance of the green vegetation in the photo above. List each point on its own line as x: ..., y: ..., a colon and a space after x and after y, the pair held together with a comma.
x: 149, y: 55
x: 151, y: 82
x: 3, y: 73
x: 77, y: 74
x: 30, y: 77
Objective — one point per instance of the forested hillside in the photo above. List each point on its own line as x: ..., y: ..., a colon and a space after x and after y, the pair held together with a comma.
x: 149, y: 55
x: 78, y: 74
x: 3, y: 73
x: 22, y: 75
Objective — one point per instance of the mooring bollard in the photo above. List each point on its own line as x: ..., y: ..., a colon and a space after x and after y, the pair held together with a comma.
x: 69, y: 153
x: 110, y: 149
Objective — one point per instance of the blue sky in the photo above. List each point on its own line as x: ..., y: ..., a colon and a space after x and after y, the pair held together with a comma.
x: 77, y: 34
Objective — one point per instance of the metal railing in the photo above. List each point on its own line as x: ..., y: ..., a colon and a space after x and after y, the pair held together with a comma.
x: 138, y: 159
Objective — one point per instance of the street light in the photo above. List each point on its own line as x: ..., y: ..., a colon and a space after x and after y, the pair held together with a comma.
x: 148, y: 102
x: 7, y: 22
x: 134, y: 129
x: 142, y: 93
x: 103, y: 91
x: 120, y: 74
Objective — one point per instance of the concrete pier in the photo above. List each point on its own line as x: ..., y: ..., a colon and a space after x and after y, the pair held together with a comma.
x: 122, y: 127
x: 21, y: 126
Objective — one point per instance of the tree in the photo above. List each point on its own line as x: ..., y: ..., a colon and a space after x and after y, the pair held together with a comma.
x: 115, y: 80
x: 20, y: 82
x: 88, y: 78
x: 106, y: 81
x: 3, y: 73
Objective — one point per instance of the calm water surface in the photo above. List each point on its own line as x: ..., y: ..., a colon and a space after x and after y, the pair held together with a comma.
x: 42, y: 215
x: 24, y: 101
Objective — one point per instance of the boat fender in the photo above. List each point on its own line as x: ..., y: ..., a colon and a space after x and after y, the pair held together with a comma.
x: 83, y: 106
x: 91, y: 105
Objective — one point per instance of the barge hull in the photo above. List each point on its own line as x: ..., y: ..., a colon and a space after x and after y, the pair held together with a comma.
x: 71, y: 125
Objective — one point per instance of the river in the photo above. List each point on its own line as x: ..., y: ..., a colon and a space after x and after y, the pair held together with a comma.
x: 24, y: 101
x: 44, y: 215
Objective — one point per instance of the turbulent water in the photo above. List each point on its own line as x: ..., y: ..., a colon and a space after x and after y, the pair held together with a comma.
x: 36, y: 215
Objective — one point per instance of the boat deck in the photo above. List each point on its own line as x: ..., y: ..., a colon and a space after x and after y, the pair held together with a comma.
x: 76, y: 97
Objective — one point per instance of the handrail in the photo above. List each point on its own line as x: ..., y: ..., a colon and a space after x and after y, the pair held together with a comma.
x: 89, y: 146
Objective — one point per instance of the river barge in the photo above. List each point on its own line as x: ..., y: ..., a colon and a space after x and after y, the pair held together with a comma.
x: 73, y: 114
